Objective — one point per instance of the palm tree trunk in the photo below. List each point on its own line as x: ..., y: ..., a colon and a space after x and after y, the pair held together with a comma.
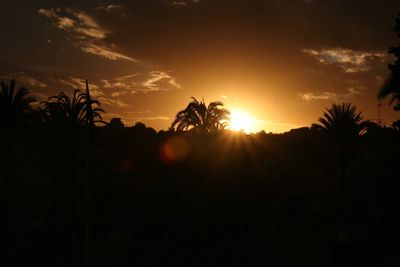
x: 89, y: 144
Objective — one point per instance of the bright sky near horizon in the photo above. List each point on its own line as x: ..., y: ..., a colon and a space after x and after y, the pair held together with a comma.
x: 276, y: 64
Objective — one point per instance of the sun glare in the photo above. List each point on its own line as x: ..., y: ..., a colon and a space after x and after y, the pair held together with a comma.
x: 242, y: 121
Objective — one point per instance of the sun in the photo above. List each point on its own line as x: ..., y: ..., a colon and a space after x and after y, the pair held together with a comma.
x: 242, y: 121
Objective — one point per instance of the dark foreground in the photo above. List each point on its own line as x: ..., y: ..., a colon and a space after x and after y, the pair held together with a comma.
x: 164, y: 199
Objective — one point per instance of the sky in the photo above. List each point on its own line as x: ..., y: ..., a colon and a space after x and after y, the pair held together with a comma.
x: 280, y: 61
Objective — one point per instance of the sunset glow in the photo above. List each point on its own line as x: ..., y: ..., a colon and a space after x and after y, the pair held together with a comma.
x: 242, y: 121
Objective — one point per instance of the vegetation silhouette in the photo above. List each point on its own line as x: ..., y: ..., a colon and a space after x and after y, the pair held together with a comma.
x: 396, y: 125
x: 15, y: 110
x: 391, y: 87
x: 15, y: 105
x: 72, y: 112
x: 73, y: 120
x: 342, y: 122
x: 116, y: 124
x: 202, y: 118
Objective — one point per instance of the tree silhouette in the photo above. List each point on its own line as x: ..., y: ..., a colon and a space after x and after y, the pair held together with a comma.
x: 396, y: 125
x: 14, y: 110
x: 70, y: 115
x: 15, y: 105
x: 343, y: 122
x: 197, y: 115
x: 391, y: 87
x: 116, y: 124
x: 72, y: 111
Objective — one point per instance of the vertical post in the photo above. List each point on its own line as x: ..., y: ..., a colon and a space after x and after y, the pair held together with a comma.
x: 379, y: 114
x: 89, y: 136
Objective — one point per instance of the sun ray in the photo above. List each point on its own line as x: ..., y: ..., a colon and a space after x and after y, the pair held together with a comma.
x: 242, y: 121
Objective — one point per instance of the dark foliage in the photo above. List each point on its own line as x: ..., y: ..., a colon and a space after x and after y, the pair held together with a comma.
x: 14, y: 104
x: 198, y: 116
x: 64, y: 110
x: 391, y: 88
x: 343, y: 122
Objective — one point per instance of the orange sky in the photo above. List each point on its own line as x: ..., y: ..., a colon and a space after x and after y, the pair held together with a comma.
x: 282, y: 62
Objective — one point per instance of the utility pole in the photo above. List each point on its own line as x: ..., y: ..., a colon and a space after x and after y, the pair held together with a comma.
x: 89, y: 140
x: 379, y: 114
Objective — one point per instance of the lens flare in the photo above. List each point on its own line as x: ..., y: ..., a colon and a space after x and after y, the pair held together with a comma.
x: 174, y: 149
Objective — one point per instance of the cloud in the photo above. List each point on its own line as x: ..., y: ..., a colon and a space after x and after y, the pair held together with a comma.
x: 126, y: 76
x: 308, y: 97
x: 182, y: 2
x: 75, y: 22
x: 114, y: 92
x: 77, y: 83
x: 29, y: 81
x: 25, y: 79
x: 350, y: 61
x: 105, y: 51
x: 118, y: 94
x: 39, y: 96
x: 113, y: 102
x: 162, y: 118
x: 110, y: 8
x: 152, y: 81
x: 85, y: 31
x: 156, y: 79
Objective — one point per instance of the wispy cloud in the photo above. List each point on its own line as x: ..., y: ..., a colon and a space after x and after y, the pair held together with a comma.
x: 156, y: 79
x: 119, y: 94
x: 25, y: 79
x: 85, y: 31
x: 77, y: 83
x: 141, y: 83
x: 110, y: 8
x: 182, y: 2
x: 77, y: 23
x: 308, y: 97
x: 113, y: 102
x: 105, y: 51
x: 126, y: 77
x: 113, y: 92
x: 29, y: 81
x: 161, y: 118
x: 349, y: 60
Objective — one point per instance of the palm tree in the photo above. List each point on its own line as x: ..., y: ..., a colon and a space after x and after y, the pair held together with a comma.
x: 197, y: 115
x: 15, y: 105
x: 14, y: 110
x: 391, y: 87
x: 73, y: 111
x: 396, y: 125
x: 343, y: 122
